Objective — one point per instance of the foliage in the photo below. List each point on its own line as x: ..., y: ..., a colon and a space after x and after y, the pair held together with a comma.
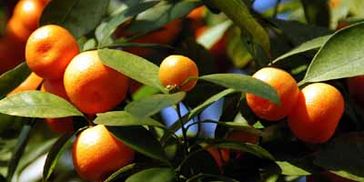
x: 305, y: 42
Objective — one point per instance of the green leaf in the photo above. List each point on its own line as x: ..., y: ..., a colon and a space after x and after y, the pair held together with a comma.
x: 104, y: 32
x: 141, y: 140
x: 153, y: 104
x: 19, y: 149
x: 120, y: 172
x: 299, y: 33
x: 291, y: 170
x: 236, y: 49
x: 340, y: 57
x: 344, y: 154
x: 246, y: 147
x: 204, y: 177
x: 132, y: 66
x: 306, y: 46
x: 144, y: 92
x: 78, y: 16
x: 37, y: 104
x: 154, y: 175
x: 245, y: 84
x: 161, y: 14
x: 212, y: 35
x: 237, y: 11
x: 54, y: 154
x: 12, y: 78
x: 123, y: 118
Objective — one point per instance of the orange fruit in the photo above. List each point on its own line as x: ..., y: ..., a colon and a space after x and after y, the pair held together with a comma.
x: 59, y: 125
x: 97, y: 153
x: 49, y: 49
x: 317, y: 113
x: 241, y: 136
x: 32, y: 82
x: 10, y: 55
x: 164, y: 35
x: 334, y: 3
x: 286, y: 88
x: 17, y: 32
x: 221, y: 156
x: 177, y: 71
x: 356, y: 89
x: 92, y: 86
x: 197, y: 13
x: 28, y: 13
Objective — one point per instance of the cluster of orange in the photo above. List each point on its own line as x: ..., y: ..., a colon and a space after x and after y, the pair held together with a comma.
x: 23, y: 22
x: 92, y: 87
x: 313, y: 113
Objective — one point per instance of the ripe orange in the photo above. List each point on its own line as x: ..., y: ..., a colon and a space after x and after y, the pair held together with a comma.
x: 334, y: 3
x: 93, y: 87
x: 49, y: 49
x: 164, y: 35
x: 97, y: 153
x: 17, y: 31
x: 28, y: 13
x: 241, y: 136
x: 59, y: 125
x: 10, y: 55
x: 197, y: 13
x: 177, y: 71
x: 244, y: 137
x: 356, y: 89
x: 317, y: 113
x: 287, y: 90
x: 221, y: 156
x: 32, y: 82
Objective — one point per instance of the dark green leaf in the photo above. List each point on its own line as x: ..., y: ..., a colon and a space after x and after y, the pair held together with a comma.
x: 19, y: 149
x: 54, y: 154
x: 37, y: 104
x: 344, y: 154
x: 236, y: 49
x: 132, y: 66
x: 204, y: 177
x: 141, y: 140
x: 292, y: 170
x: 120, y: 172
x: 299, y: 33
x: 161, y: 14
x: 246, y: 147
x: 306, y: 46
x: 153, y: 104
x: 12, y: 78
x: 239, y: 13
x: 37, y: 150
x: 317, y: 12
x: 154, y: 175
x: 341, y: 56
x: 78, y: 16
x: 104, y: 33
x: 245, y: 84
x: 122, y: 118
x: 199, y: 161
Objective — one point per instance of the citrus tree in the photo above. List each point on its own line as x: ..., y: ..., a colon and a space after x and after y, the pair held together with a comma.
x: 181, y: 90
